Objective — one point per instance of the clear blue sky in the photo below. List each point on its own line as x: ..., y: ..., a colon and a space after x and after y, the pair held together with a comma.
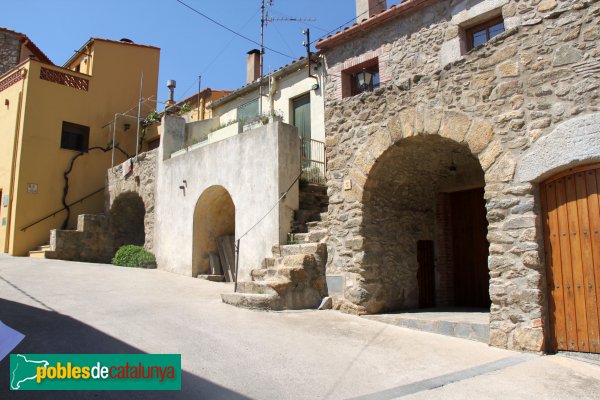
x: 190, y: 45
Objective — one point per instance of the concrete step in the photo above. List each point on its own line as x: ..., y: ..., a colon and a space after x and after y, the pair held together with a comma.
x: 42, y: 254
x: 257, y: 287
x: 465, y: 327
x: 45, y: 247
x: 252, y: 301
x: 212, y: 278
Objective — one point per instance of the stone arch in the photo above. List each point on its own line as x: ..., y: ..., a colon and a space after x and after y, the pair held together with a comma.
x: 405, y: 201
x: 214, y: 216
x: 547, y: 156
x: 127, y: 216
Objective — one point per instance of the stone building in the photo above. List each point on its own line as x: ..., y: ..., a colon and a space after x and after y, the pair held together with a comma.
x: 461, y: 140
x: 15, y: 48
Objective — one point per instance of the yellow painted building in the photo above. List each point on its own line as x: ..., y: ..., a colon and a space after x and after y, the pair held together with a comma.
x: 48, y: 116
x: 199, y: 104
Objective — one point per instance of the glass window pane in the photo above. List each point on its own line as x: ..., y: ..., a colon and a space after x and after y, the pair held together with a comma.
x: 376, y: 80
x: 496, y: 29
x: 479, y: 37
x: 248, y: 111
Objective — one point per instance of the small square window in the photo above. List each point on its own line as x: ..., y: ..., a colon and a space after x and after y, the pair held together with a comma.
x: 75, y: 137
x: 482, y: 33
x: 361, y: 78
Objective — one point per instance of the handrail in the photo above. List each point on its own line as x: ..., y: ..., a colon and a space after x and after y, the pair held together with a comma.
x: 64, y: 208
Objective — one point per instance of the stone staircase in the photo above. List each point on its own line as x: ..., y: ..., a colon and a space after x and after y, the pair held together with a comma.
x: 90, y: 242
x: 293, y: 278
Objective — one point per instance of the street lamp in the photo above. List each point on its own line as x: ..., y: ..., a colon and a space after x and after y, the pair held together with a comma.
x: 364, y: 80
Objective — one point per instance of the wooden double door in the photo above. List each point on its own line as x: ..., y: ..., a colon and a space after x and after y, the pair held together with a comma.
x: 571, y: 213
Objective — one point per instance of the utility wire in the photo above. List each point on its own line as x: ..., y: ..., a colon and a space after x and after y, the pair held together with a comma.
x: 272, y: 208
x: 345, y: 23
x: 231, y: 30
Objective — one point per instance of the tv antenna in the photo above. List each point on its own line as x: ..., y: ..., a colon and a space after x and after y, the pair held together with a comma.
x: 265, y: 20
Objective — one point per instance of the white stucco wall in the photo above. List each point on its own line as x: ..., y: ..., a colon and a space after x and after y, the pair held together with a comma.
x: 255, y: 167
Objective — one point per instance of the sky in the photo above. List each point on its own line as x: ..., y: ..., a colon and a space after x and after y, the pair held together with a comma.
x: 190, y: 44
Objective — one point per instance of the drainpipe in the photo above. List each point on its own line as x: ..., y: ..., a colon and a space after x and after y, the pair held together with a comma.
x: 11, y: 190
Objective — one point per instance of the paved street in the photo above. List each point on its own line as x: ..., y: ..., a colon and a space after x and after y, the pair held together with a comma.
x: 230, y: 353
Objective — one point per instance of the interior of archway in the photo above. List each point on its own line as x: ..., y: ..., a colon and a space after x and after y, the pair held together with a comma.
x: 424, y: 208
x: 127, y: 220
x: 214, y: 217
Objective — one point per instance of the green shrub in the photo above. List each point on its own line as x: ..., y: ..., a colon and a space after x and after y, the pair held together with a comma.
x: 134, y: 256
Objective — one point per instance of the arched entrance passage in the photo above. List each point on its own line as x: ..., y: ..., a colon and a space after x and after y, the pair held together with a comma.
x: 571, y: 213
x: 424, y: 227
x: 214, y: 217
x: 127, y: 215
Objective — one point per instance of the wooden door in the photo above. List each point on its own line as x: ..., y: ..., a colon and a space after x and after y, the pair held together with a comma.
x: 571, y: 214
x: 426, y: 273
x: 302, y: 121
x: 470, y: 249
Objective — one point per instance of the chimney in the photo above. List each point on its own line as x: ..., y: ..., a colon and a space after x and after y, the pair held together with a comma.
x: 367, y: 8
x: 253, y: 66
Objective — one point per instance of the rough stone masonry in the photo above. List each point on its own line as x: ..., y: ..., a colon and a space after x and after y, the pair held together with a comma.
x: 524, y: 106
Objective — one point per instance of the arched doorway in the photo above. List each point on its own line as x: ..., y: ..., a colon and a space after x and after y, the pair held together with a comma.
x: 214, y: 218
x: 127, y: 215
x: 424, y: 227
x: 571, y: 214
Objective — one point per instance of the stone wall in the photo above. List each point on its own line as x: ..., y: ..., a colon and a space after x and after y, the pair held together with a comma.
x: 499, y: 100
x: 140, y: 181
x: 10, y: 50
x: 128, y: 217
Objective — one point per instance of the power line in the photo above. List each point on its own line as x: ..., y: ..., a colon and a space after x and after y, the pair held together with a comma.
x: 231, y: 30
x: 346, y: 23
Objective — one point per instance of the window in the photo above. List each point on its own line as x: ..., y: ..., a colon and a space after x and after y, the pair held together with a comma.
x: 75, y: 137
x: 361, y: 78
x: 248, y: 111
x: 482, y: 33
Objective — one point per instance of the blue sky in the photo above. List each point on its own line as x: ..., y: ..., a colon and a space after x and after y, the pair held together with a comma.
x: 190, y: 45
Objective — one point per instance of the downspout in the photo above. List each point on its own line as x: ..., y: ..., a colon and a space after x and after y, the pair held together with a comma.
x: 11, y: 190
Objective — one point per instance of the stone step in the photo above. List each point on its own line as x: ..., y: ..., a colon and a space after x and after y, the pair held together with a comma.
x: 268, y: 262
x: 212, y: 278
x: 315, y: 235
x: 252, y: 301
x: 257, y: 287
x: 294, y: 249
x: 289, y: 274
x: 45, y: 247
x: 299, y: 238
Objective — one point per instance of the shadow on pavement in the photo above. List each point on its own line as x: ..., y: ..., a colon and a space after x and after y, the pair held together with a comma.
x: 49, y: 332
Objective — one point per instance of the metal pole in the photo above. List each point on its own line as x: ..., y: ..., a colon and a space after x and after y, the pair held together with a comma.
x: 199, y: 88
x: 237, y: 263
x: 114, y: 135
x: 137, y: 135
x: 262, y: 52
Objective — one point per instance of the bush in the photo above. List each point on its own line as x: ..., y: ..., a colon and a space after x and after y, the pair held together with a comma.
x: 134, y: 257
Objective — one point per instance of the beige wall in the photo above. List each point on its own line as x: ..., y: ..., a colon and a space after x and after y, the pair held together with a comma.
x: 113, y: 87
x: 284, y: 88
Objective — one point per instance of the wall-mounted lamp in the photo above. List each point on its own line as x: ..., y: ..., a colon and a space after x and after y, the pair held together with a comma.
x: 364, y: 80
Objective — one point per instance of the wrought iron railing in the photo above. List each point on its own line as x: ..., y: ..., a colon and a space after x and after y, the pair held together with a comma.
x: 313, y: 161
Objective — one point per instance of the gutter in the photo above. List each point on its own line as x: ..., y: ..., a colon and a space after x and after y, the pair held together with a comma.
x: 11, y: 190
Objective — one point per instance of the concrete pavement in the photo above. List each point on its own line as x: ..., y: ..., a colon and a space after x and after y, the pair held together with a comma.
x: 230, y: 353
